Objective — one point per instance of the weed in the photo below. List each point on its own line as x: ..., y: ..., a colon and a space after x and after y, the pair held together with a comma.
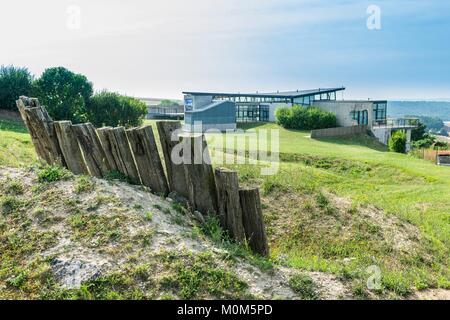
x: 52, y: 173
x: 304, y: 286
x: 149, y: 216
x: 14, y: 187
x: 84, y: 184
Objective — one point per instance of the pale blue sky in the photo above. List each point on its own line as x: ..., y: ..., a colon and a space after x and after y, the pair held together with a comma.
x: 160, y: 48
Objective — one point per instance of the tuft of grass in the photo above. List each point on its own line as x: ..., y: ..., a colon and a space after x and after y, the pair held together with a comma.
x: 52, y: 173
x: 197, y: 276
x: 212, y: 229
x: 14, y: 187
x: 149, y: 216
x: 10, y: 204
x: 322, y: 201
x: 270, y: 186
x: 304, y: 286
x: 84, y: 184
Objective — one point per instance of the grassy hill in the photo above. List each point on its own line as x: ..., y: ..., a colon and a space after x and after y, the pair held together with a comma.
x: 339, y: 206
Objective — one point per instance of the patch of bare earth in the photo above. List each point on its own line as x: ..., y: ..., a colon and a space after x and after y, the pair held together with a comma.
x: 432, y: 294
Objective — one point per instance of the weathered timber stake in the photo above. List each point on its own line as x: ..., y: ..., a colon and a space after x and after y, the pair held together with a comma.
x: 107, y: 147
x: 143, y: 145
x: 128, y: 164
x: 94, y: 155
x: 229, y: 207
x: 253, y: 220
x: 175, y: 172
x: 199, y: 175
x: 115, y: 151
x: 40, y: 127
x: 69, y: 147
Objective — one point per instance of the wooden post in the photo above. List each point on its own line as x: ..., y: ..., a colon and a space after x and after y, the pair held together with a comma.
x: 127, y: 167
x: 143, y: 145
x: 229, y: 207
x: 199, y: 175
x: 108, y: 147
x: 40, y: 127
x: 92, y: 149
x: 252, y: 218
x: 175, y: 172
x: 69, y: 147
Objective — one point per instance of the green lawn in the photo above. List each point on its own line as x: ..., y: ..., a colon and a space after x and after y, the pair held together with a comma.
x: 309, y: 228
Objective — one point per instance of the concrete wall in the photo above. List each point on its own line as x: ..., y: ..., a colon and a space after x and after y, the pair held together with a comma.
x: 343, y: 108
x: 337, y: 132
x: 383, y: 134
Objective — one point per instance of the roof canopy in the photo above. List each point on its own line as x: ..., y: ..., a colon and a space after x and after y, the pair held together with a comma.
x: 282, y: 95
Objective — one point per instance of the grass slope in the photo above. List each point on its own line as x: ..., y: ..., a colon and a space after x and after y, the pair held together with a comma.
x: 341, y: 206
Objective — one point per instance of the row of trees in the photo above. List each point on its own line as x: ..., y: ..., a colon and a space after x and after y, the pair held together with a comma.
x: 69, y: 96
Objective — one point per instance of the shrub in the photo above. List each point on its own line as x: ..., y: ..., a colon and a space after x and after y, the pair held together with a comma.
x: 14, y: 82
x: 305, y: 118
x: 397, y: 142
x: 426, y: 142
x: 64, y: 93
x: 112, y: 109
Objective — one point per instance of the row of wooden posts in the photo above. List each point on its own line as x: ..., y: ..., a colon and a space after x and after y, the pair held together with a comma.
x: 133, y: 152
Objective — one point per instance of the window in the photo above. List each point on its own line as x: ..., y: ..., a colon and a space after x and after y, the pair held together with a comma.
x: 361, y: 117
x: 379, y: 111
x: 252, y: 113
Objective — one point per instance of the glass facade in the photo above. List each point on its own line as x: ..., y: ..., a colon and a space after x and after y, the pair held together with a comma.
x: 252, y: 113
x: 361, y: 117
x: 379, y: 112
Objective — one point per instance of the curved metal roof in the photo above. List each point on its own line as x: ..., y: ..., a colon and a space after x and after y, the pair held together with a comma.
x: 283, y: 95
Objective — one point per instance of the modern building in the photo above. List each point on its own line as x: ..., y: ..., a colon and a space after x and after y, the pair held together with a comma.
x: 224, y: 110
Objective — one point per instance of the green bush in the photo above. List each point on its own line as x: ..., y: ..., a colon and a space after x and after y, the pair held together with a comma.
x: 14, y: 82
x: 397, y: 142
x: 64, y: 93
x: 305, y: 118
x: 112, y: 109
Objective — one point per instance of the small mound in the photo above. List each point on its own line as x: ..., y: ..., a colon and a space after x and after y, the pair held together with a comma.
x: 65, y: 237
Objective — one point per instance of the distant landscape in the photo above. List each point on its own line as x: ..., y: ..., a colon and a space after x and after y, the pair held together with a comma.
x: 439, y: 109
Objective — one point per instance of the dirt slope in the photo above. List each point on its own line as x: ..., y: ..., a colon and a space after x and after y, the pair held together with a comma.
x: 80, y: 237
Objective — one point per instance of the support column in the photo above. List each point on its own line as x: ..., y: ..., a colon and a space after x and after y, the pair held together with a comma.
x: 408, y: 140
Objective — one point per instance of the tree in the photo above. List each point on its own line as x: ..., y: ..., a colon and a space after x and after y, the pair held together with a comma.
x: 14, y: 82
x: 397, y: 142
x: 426, y: 142
x: 419, y: 132
x: 112, y: 109
x: 64, y: 93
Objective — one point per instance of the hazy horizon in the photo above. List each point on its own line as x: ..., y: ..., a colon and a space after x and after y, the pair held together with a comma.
x: 161, y: 48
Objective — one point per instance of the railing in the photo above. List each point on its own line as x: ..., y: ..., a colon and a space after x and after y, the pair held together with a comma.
x: 397, y: 123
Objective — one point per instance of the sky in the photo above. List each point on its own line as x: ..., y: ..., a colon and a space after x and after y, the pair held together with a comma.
x: 161, y: 48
